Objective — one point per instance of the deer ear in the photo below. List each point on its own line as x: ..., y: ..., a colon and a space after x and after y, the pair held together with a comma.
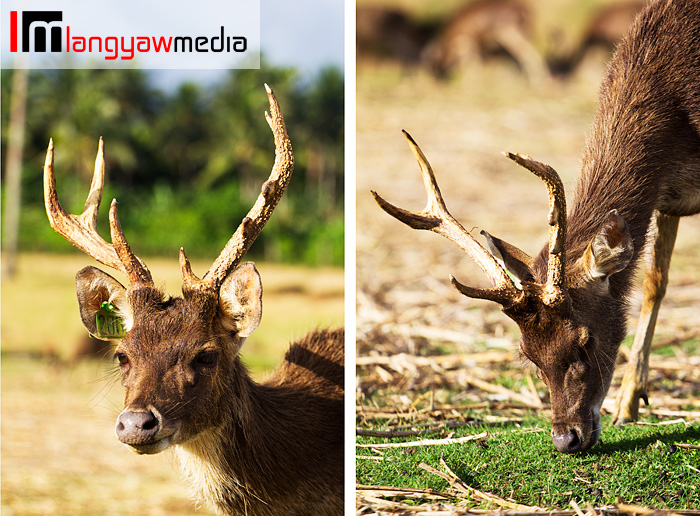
x: 515, y: 261
x: 94, y: 287
x: 611, y: 249
x: 240, y: 300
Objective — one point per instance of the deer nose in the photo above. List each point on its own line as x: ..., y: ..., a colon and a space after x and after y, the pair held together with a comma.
x: 567, y: 442
x: 137, y: 427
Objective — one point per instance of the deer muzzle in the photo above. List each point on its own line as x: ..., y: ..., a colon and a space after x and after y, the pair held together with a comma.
x: 579, y: 436
x: 144, y: 431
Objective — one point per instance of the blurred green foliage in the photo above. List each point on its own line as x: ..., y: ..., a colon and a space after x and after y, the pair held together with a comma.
x: 186, y: 165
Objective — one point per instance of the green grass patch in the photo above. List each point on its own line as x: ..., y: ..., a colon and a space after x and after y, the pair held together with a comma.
x: 690, y: 347
x: 636, y: 464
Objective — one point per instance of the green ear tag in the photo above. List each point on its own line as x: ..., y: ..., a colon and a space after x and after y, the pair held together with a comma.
x: 109, y: 325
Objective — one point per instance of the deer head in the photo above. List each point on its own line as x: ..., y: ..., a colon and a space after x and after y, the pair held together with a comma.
x: 568, y: 318
x: 176, y: 354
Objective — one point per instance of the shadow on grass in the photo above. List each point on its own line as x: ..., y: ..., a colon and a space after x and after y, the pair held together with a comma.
x: 616, y: 441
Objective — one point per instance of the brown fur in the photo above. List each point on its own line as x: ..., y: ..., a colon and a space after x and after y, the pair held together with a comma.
x: 643, y: 155
x: 281, y: 451
x: 483, y: 29
x: 245, y: 448
x: 642, y: 158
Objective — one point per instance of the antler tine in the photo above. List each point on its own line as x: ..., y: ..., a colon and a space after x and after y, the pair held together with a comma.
x: 94, y: 198
x: 436, y: 218
x: 257, y: 217
x: 134, y: 267
x: 555, y: 288
x: 81, y: 230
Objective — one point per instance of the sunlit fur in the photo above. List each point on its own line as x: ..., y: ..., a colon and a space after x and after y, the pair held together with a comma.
x: 244, y: 447
x: 643, y: 154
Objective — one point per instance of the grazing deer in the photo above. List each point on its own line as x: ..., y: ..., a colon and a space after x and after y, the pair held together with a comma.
x: 640, y: 174
x: 482, y: 28
x: 246, y: 448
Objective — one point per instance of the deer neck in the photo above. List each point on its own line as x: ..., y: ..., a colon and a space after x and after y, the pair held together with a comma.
x: 625, y: 167
x: 642, y: 152
x: 234, y: 464
x: 607, y: 185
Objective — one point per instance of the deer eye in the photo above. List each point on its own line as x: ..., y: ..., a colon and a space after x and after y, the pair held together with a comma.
x: 122, y: 358
x: 206, y: 358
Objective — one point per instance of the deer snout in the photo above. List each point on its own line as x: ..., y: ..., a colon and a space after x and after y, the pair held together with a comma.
x: 567, y: 442
x: 578, y: 437
x: 137, y: 427
x: 142, y: 431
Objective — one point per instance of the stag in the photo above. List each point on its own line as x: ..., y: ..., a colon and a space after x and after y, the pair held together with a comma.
x: 640, y: 173
x: 246, y: 448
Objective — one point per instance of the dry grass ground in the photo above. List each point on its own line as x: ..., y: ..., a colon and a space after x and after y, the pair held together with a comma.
x: 405, y: 303
x: 462, y: 127
x: 59, y: 452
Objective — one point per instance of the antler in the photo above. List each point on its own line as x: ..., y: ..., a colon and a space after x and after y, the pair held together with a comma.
x: 555, y: 288
x: 259, y: 214
x: 435, y: 217
x: 81, y: 230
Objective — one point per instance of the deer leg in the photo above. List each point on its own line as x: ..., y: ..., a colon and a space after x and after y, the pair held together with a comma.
x: 527, y: 56
x: 634, y: 382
